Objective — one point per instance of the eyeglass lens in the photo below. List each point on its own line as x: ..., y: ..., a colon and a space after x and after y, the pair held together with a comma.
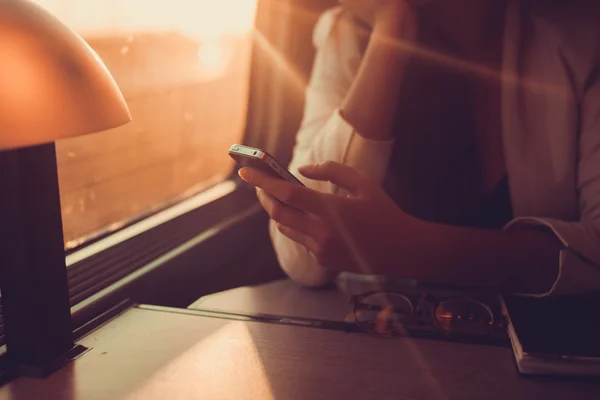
x: 464, y: 316
x: 384, y: 312
x: 391, y: 312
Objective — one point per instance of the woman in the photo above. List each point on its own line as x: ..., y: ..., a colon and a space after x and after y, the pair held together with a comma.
x: 459, y: 144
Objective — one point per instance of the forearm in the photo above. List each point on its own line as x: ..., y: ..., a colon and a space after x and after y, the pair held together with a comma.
x: 523, y: 261
x: 371, y: 102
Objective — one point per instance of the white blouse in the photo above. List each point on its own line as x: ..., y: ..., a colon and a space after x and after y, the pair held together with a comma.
x: 551, y: 133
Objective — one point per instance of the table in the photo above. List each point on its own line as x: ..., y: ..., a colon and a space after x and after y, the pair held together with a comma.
x: 285, y: 297
x: 280, y: 298
x: 162, y: 353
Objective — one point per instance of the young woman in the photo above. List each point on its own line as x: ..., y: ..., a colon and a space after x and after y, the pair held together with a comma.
x: 458, y: 143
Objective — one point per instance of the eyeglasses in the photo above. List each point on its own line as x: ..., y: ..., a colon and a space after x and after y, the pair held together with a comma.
x: 394, y: 313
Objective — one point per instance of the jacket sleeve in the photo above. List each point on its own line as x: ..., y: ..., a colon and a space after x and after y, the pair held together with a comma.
x: 579, y: 262
x: 324, y: 135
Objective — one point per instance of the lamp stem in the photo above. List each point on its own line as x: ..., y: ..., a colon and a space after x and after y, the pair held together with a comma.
x: 33, y: 274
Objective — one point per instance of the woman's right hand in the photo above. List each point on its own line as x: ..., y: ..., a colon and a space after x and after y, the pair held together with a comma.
x: 376, y: 12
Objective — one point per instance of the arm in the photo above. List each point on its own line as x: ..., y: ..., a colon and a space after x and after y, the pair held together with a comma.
x: 520, y: 261
x: 372, y: 101
x: 325, y: 135
x: 579, y: 261
x: 539, y: 256
x: 367, y: 233
x: 561, y: 257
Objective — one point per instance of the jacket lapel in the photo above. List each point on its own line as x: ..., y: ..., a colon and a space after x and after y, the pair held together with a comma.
x: 539, y: 117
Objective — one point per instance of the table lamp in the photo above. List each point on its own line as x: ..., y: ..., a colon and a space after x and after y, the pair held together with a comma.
x: 52, y: 86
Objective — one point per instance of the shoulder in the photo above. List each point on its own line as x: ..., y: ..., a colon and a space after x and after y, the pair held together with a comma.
x: 341, y: 40
x: 336, y: 24
x: 325, y: 25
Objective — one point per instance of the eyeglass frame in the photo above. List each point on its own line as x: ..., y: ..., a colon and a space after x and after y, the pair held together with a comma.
x: 414, y: 300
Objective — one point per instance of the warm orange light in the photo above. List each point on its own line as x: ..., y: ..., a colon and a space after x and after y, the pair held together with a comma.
x: 210, y: 22
x: 200, y: 19
x: 227, y: 354
x: 53, y: 85
x: 213, y: 57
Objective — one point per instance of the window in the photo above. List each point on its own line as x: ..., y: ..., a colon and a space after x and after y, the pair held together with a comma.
x: 183, y: 67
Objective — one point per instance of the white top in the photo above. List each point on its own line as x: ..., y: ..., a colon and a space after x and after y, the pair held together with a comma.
x: 551, y: 133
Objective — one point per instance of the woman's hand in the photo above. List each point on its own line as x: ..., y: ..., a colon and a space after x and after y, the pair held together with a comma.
x: 355, y: 233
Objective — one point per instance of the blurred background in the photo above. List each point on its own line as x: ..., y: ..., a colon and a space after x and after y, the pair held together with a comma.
x: 183, y: 67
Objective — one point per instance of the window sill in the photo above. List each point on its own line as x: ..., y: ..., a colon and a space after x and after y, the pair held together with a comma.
x: 208, y: 196
x: 178, y: 246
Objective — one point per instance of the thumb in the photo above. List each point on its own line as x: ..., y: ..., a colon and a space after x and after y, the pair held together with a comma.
x: 339, y: 174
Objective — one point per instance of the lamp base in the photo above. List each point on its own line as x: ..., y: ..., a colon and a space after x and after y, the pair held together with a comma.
x: 33, y: 275
x: 43, y: 371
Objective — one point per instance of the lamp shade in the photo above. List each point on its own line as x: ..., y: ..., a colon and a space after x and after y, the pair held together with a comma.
x: 52, y: 84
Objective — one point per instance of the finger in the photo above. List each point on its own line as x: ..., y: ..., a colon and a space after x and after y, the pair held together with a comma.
x: 299, y: 197
x: 281, y: 213
x: 298, y: 237
x: 340, y: 175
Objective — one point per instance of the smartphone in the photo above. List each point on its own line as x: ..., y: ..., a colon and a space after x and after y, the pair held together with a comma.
x: 252, y: 157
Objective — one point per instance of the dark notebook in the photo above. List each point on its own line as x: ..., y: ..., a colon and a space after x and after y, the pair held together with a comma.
x: 555, y: 335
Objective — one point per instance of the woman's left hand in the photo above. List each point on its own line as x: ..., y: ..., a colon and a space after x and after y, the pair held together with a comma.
x: 358, y: 232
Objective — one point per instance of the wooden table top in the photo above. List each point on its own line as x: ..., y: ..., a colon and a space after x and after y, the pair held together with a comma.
x: 159, y: 353
x: 281, y: 298
x: 168, y: 354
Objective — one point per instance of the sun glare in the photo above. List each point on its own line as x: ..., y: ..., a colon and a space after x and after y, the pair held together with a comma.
x: 213, y: 57
x: 212, y: 23
x: 200, y: 19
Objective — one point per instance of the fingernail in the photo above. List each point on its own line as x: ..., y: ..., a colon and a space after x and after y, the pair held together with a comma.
x: 307, y: 168
x: 245, y: 174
